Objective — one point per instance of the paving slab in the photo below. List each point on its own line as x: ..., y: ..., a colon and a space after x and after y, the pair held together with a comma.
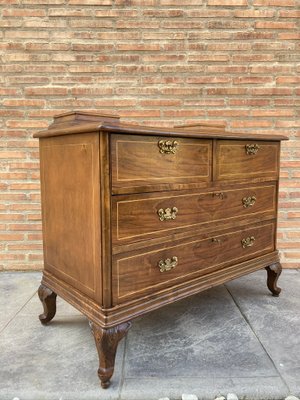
x: 199, y: 345
x: 15, y: 290
x: 54, y: 362
x: 275, y: 320
x: 209, y: 344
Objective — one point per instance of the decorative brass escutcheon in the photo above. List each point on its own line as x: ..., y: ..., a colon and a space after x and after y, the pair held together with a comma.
x: 167, y: 214
x: 167, y: 146
x: 248, y: 242
x: 248, y: 201
x: 251, y: 149
x: 167, y: 264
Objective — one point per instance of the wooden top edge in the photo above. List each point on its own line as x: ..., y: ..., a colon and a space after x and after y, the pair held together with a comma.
x: 204, y: 132
x: 86, y: 113
x: 205, y: 124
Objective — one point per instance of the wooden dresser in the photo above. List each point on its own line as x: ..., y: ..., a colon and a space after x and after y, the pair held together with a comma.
x: 137, y: 217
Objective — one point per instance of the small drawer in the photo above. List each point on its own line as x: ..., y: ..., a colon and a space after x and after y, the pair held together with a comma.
x: 138, y: 217
x: 139, y: 274
x: 244, y: 159
x: 148, y: 161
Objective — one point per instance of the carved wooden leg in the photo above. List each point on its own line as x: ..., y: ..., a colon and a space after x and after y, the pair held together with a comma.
x: 107, y: 340
x: 274, y: 271
x: 48, y: 298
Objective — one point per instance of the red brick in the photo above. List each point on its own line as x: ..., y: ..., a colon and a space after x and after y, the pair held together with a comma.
x: 289, y: 36
x: 171, y: 13
x: 90, y: 2
x: 268, y: 91
x: 275, y: 25
x: 46, y: 91
x: 226, y: 3
x: 254, y: 13
x: 230, y: 24
x: 182, y: 2
x: 209, y: 79
x: 252, y: 80
x: 23, y: 12
x: 288, y: 79
x: 227, y: 91
x: 138, y: 46
x: 251, y: 124
x: 274, y: 3
x: 209, y: 57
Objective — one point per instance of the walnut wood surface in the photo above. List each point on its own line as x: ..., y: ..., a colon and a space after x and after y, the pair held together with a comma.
x: 102, y: 186
x: 48, y: 299
x: 232, y: 161
x: 138, y: 274
x: 137, y: 160
x: 135, y: 217
x: 274, y: 272
x: 109, y: 317
x: 70, y: 205
x: 107, y: 341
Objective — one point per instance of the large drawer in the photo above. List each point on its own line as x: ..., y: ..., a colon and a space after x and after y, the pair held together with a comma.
x: 139, y: 274
x: 241, y: 159
x: 149, y: 161
x: 138, y: 217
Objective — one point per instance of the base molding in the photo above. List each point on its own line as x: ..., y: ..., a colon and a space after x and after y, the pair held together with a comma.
x: 124, y: 312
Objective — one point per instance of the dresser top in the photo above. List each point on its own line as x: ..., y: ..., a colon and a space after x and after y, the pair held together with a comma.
x: 76, y: 122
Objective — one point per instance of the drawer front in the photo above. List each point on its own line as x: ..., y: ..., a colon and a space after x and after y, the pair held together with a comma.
x: 138, y: 217
x: 137, y: 275
x: 143, y: 160
x: 237, y: 159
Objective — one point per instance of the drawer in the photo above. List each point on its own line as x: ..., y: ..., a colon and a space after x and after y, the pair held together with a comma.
x: 152, y: 161
x: 139, y: 274
x: 241, y: 159
x: 138, y: 217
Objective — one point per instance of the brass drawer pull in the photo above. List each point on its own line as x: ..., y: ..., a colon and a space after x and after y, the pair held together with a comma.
x: 167, y: 146
x: 251, y: 149
x: 215, y: 240
x: 167, y: 214
x: 248, y: 242
x: 220, y: 195
x: 167, y: 264
x: 248, y: 201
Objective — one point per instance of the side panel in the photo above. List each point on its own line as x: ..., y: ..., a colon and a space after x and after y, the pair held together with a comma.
x: 71, y: 210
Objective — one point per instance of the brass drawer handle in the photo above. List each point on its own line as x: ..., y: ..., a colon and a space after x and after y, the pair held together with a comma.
x: 248, y: 201
x: 220, y: 195
x: 167, y: 214
x: 251, y: 149
x: 215, y: 240
x: 248, y: 242
x: 167, y: 146
x: 167, y: 264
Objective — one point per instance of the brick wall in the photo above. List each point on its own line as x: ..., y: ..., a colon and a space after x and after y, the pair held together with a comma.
x: 157, y: 62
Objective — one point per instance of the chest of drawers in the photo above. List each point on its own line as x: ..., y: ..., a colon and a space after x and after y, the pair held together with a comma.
x: 136, y: 217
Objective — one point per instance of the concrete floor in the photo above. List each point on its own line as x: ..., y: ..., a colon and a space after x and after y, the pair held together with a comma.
x: 234, y: 338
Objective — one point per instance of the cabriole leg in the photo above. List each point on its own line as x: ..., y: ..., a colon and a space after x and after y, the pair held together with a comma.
x: 48, y: 299
x: 107, y: 340
x: 274, y: 272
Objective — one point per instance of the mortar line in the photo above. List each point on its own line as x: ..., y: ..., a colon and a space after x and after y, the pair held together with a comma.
x: 255, y: 334
x: 12, y: 318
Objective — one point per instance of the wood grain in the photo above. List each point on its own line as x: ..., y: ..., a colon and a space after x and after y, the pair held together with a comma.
x: 232, y: 161
x: 137, y: 160
x: 70, y: 209
x: 138, y: 274
x: 135, y: 217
